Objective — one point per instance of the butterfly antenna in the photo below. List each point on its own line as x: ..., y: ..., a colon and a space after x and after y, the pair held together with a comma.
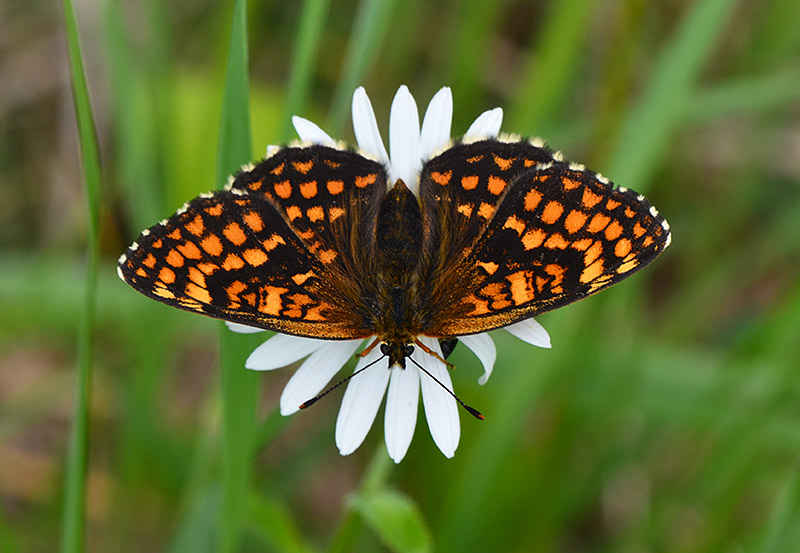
x: 471, y: 410
x: 319, y: 396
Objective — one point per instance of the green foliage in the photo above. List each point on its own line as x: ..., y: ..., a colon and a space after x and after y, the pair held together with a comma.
x: 664, y: 418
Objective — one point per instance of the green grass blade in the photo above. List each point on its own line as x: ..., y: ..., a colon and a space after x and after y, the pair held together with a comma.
x: 239, y: 386
x: 74, y: 507
x: 305, y: 54
x: 371, y: 24
x: 556, y: 57
x: 651, y: 122
x: 782, y: 527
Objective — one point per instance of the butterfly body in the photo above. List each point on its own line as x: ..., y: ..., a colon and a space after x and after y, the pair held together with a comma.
x: 313, y: 241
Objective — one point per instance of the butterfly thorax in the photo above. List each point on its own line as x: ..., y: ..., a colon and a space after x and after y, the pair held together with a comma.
x: 398, y: 249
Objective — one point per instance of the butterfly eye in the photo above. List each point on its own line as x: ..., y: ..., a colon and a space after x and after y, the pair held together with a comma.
x: 408, y: 349
x: 385, y: 349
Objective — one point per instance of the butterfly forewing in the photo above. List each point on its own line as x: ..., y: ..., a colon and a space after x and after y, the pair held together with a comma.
x: 232, y: 256
x: 558, y: 234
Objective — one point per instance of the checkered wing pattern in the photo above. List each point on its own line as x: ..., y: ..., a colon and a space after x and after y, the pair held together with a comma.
x: 284, y: 248
x: 538, y: 237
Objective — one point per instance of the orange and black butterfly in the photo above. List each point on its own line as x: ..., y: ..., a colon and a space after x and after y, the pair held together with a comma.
x: 313, y: 241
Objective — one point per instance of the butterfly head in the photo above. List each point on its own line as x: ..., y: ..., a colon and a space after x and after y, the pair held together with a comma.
x: 397, y: 353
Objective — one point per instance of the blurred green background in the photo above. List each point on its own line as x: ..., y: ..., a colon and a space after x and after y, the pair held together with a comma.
x: 666, y: 417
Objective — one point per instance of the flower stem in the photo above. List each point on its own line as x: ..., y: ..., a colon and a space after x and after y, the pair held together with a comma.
x: 349, y: 528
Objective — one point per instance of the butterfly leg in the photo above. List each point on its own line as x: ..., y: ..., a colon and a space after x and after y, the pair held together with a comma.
x: 429, y: 351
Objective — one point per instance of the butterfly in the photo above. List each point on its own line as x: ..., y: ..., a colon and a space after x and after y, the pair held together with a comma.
x: 316, y: 241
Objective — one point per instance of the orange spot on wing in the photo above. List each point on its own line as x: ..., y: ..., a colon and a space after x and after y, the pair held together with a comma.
x: 592, y: 271
x: 489, y: 266
x: 638, y: 230
x: 271, y: 300
x: 196, y: 226
x: 190, y: 250
x: 593, y: 253
x: 612, y: 204
x: 254, y: 257
x: 214, y: 210
x: 197, y: 277
x: 315, y: 213
x: 149, y: 261
x: 582, y: 245
x: 141, y: 272
x: 254, y: 221
x: 234, y: 233
x: 300, y: 278
x: 630, y: 213
x: 521, y: 287
x: 532, y: 199
x: 335, y: 186
x: 327, y: 256
x: 469, y: 182
x: 475, y: 159
x: 552, y: 212
x: 366, y: 180
x: 283, y: 189
x: 622, y: 247
x: 163, y: 292
x: 613, y: 230
x: 212, y: 244
x: 486, y: 210
x: 575, y: 220
x: 590, y: 199
x: 335, y: 212
x: 207, y: 268
x: 157, y: 243
x: 465, y: 209
x: 303, y: 166
x: 234, y: 289
x: 278, y: 169
x: 515, y: 224
x: 533, y: 238
x: 598, y: 222
x: 503, y: 163
x: 166, y: 275
x: 293, y: 212
x: 496, y: 185
x: 441, y: 178
x: 175, y: 259
x: 198, y: 293
x: 308, y: 189
x: 556, y: 242
x: 570, y: 184
x: 175, y: 234
x: 232, y: 262
x: 273, y: 241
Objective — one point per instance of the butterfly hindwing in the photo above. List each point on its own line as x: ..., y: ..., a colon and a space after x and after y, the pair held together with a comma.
x: 558, y: 234
x: 232, y: 256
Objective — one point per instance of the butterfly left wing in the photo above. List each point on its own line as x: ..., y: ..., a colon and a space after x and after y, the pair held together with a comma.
x: 232, y: 256
x: 559, y: 233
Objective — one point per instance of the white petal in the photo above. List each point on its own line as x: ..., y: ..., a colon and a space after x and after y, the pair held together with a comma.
x: 365, y: 127
x: 242, y: 329
x: 310, y: 132
x: 315, y: 373
x: 360, y: 404
x: 435, y: 131
x: 402, y: 401
x: 281, y: 350
x: 441, y: 409
x: 482, y: 345
x: 404, y: 138
x: 530, y: 331
x: 487, y: 125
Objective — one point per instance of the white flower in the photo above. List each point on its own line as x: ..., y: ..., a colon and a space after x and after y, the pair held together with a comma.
x: 409, y: 146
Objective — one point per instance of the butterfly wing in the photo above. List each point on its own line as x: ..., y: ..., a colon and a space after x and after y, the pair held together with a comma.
x: 557, y: 233
x: 268, y: 252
